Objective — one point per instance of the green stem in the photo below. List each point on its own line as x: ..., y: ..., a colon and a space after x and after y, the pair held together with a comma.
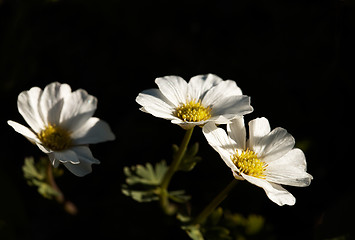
x: 69, y: 207
x: 174, y: 166
x: 214, y: 203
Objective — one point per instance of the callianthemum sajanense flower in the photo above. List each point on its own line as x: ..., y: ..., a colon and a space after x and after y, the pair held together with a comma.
x: 268, y: 159
x: 206, y: 98
x: 62, y: 126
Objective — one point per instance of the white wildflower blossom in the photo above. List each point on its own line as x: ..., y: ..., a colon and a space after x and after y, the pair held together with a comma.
x: 62, y: 126
x: 267, y: 159
x: 206, y: 98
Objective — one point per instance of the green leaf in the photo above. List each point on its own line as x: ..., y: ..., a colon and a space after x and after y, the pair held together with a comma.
x: 179, y: 196
x: 139, y: 195
x: 36, y: 175
x: 143, y: 181
x: 30, y: 170
x: 146, y: 175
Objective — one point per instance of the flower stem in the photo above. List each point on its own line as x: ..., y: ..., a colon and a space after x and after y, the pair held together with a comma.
x: 174, y: 166
x: 69, y: 207
x: 214, y: 203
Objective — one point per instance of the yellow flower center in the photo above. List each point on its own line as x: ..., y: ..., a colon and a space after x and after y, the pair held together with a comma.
x: 193, y: 112
x: 249, y: 163
x: 55, y: 138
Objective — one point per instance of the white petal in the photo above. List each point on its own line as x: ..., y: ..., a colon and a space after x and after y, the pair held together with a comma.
x: 51, y: 101
x: 158, y: 112
x: 200, y: 84
x: 221, y: 91
x: 66, y: 156
x: 78, y: 107
x: 93, y: 131
x: 153, y: 97
x: 173, y: 88
x: 220, y: 119
x: 26, y: 132
x: 28, y: 106
x: 43, y: 148
x: 232, y: 107
x: 290, y: 169
x: 275, y: 192
x: 223, y: 144
x: 86, y: 160
x: 234, y: 89
x: 274, y: 145
x: 155, y: 103
x: 55, y: 162
x: 258, y: 128
x: 236, y: 131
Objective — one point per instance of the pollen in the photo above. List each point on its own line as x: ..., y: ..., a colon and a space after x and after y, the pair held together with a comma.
x: 55, y: 137
x: 248, y: 163
x: 193, y: 111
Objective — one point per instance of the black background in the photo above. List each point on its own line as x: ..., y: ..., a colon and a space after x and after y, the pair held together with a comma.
x: 294, y: 58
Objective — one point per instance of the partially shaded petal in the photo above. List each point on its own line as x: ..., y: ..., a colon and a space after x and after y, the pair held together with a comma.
x: 219, y: 119
x: 258, y: 128
x: 158, y: 112
x: 66, y: 156
x: 290, y: 169
x: 200, y: 84
x: 26, y: 132
x: 28, y: 106
x: 221, y: 91
x: 236, y: 131
x: 43, y: 148
x: 275, y: 192
x: 86, y: 160
x: 55, y: 162
x: 155, y: 103
x: 153, y: 97
x: 173, y: 88
x: 51, y: 101
x: 93, y: 131
x: 232, y: 107
x: 78, y: 107
x: 219, y: 140
x: 274, y: 145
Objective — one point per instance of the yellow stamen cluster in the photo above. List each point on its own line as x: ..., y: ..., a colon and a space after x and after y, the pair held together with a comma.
x: 249, y: 163
x: 55, y: 138
x: 193, y: 112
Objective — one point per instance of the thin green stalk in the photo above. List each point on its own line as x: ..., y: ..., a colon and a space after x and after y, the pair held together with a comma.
x: 214, y: 203
x: 174, y: 166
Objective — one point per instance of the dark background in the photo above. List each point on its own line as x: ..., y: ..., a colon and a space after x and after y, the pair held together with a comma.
x: 294, y: 58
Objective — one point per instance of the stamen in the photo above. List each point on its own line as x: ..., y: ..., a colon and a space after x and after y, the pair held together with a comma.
x: 193, y: 112
x: 248, y: 163
x: 55, y: 138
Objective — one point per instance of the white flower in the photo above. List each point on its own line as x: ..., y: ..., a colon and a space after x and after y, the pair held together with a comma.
x: 62, y: 126
x: 206, y: 98
x: 267, y: 159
